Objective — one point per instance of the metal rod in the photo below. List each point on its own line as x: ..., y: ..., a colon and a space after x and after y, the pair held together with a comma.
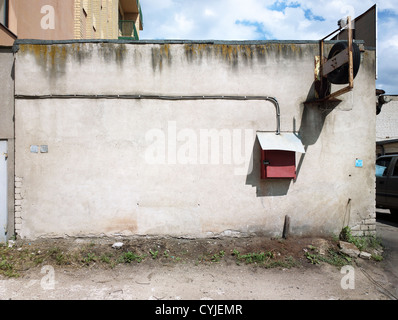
x: 350, y: 55
x: 161, y: 97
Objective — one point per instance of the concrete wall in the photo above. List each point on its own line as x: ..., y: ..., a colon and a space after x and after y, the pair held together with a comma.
x: 7, y: 126
x: 143, y: 166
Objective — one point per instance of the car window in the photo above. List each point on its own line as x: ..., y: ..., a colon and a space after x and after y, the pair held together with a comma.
x: 395, y: 172
x: 381, y: 166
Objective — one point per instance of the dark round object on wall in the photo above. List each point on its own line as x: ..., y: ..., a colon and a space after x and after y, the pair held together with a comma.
x: 340, y: 75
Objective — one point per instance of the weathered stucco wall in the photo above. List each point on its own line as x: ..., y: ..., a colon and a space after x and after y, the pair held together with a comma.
x: 146, y: 167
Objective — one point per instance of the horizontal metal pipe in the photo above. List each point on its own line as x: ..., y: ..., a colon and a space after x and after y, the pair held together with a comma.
x: 160, y: 97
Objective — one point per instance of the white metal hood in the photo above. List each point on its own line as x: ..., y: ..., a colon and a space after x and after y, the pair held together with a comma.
x: 282, y: 141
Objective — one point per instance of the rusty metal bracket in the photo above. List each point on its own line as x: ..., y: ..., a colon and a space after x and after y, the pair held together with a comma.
x: 323, y: 67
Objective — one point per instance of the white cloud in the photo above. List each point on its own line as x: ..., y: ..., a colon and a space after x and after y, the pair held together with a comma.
x: 268, y: 19
x: 209, y: 13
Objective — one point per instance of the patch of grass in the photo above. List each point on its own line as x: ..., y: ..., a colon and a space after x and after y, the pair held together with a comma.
x: 287, y: 263
x: 267, y: 259
x: 363, y: 243
x: 253, y: 257
x: 106, y: 258
x: 129, y: 257
x: 89, y: 257
x: 332, y: 257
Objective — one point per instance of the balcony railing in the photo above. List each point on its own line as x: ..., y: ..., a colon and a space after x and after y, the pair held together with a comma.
x: 127, y: 30
x: 140, y: 12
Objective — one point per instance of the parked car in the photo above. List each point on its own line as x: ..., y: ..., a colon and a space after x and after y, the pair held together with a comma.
x: 387, y: 182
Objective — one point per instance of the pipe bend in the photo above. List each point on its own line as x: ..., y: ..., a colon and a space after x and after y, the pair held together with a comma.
x: 278, y: 114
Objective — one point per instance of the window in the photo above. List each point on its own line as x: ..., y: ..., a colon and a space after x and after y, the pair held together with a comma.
x: 4, y: 12
x: 381, y: 166
x: 395, y: 172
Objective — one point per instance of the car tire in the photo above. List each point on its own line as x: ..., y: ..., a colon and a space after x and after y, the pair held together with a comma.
x: 340, y: 75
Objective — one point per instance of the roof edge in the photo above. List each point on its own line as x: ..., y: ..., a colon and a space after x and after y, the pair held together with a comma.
x: 171, y: 41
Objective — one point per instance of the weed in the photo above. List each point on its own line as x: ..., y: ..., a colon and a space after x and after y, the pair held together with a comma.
x: 377, y: 257
x: 363, y: 243
x: 287, y: 262
x: 7, y: 268
x: 60, y: 259
x: 90, y: 257
x: 105, y: 258
x: 129, y: 257
x: 253, y: 257
x: 332, y: 257
x: 153, y: 254
x: 217, y: 256
x: 313, y: 258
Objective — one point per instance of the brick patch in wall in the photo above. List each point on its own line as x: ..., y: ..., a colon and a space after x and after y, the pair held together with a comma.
x: 18, y: 204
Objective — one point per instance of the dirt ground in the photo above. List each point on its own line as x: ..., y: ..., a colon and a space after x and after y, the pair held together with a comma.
x: 256, y: 268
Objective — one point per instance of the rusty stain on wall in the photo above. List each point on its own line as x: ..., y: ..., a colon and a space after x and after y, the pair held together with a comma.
x: 246, y: 54
x: 53, y: 58
x: 161, y: 54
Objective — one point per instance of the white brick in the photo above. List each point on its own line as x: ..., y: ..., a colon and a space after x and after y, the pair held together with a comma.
x: 370, y: 221
x: 357, y: 233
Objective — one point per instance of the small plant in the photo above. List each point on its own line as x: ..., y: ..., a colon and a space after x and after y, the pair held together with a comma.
x: 217, y: 256
x: 253, y: 257
x: 363, y: 243
x: 129, y: 257
x: 287, y: 262
x: 105, y: 258
x: 313, y: 258
x: 377, y: 257
x: 332, y: 257
x: 60, y: 258
x: 90, y: 257
x: 153, y: 254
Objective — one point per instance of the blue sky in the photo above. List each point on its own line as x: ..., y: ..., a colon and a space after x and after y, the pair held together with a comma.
x: 272, y: 20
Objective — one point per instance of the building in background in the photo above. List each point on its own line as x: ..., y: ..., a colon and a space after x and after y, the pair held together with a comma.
x: 69, y: 19
x: 387, y: 125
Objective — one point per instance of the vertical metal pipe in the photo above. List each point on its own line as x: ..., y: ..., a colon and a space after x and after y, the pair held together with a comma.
x: 278, y: 114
